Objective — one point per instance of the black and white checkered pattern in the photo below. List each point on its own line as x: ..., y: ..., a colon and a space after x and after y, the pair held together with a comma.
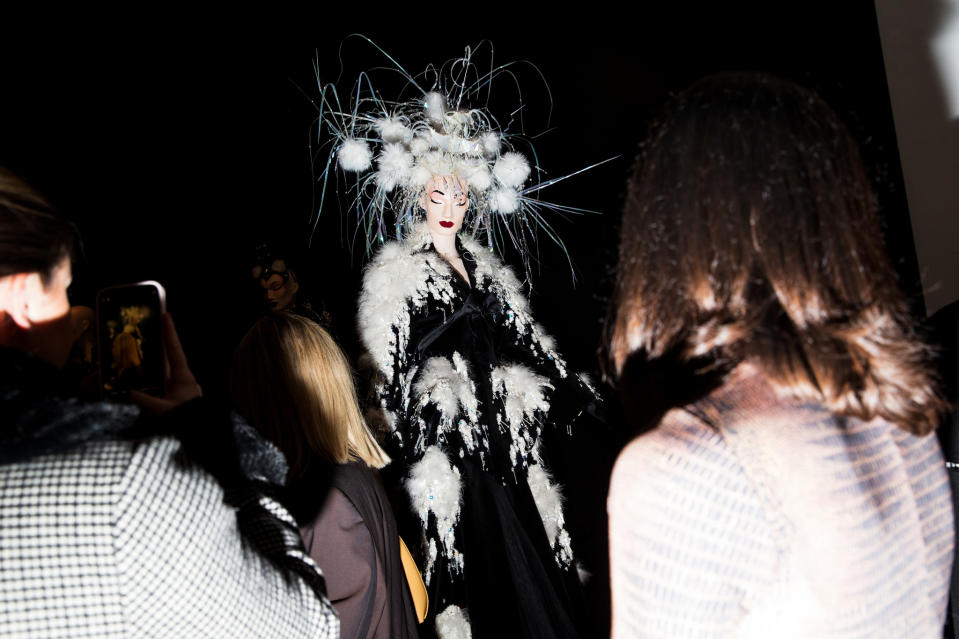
x: 123, y: 539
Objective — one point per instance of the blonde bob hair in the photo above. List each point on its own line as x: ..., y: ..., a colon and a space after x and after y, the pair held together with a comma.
x: 293, y: 383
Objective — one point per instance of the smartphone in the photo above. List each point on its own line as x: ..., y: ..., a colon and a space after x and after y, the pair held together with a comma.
x: 129, y: 338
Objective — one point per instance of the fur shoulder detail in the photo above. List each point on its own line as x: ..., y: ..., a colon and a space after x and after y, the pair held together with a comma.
x: 397, y: 274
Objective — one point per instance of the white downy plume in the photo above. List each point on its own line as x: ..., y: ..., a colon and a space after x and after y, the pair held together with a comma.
x: 474, y: 171
x: 511, y: 169
x: 394, y: 165
x: 452, y: 623
x: 354, y: 155
x: 393, y: 130
x: 503, y: 200
x: 491, y: 143
x: 434, y: 486
x: 420, y: 144
x: 436, y: 106
x: 420, y: 176
x: 479, y: 178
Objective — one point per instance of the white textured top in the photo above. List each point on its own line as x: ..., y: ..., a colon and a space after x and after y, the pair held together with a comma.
x: 748, y: 515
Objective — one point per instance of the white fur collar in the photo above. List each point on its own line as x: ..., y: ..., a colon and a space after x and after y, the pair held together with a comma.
x: 405, y: 271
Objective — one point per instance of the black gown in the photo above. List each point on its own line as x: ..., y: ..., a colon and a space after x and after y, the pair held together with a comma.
x: 469, y: 383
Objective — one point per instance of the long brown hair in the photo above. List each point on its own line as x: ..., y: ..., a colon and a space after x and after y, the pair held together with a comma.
x: 750, y: 232
x: 293, y: 383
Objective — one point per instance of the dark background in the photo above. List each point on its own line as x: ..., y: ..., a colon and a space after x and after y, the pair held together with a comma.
x: 177, y: 144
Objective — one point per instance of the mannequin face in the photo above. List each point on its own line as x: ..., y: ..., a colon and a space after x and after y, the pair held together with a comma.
x: 445, y: 200
x: 279, y: 286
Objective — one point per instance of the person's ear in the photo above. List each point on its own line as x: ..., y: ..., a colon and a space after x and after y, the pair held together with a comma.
x: 16, y: 292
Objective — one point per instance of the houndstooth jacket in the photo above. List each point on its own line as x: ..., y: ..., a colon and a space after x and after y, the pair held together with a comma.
x: 110, y: 532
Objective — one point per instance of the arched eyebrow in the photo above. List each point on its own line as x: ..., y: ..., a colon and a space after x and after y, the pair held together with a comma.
x: 437, y: 191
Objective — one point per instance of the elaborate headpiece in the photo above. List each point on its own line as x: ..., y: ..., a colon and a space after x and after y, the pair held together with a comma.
x: 395, y: 147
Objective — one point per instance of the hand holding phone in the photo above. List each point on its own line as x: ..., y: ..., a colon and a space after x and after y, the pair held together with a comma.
x: 179, y: 383
x: 130, y: 339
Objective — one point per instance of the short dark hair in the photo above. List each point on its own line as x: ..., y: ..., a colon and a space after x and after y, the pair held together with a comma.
x: 32, y: 237
x: 750, y: 231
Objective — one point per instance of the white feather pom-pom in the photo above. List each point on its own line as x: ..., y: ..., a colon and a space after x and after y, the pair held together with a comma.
x: 393, y: 130
x: 394, y: 165
x: 503, y: 200
x: 453, y: 624
x: 491, y: 143
x: 479, y: 178
x: 354, y: 155
x: 436, y: 106
x: 511, y: 169
x: 419, y: 145
x: 420, y: 176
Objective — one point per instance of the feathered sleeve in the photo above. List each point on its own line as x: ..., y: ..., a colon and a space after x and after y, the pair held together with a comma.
x: 525, y: 342
x: 391, y: 285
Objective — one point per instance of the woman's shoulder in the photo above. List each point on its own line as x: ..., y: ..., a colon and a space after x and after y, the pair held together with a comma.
x: 682, y: 446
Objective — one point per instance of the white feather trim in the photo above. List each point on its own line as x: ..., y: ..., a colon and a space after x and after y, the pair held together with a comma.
x: 393, y: 130
x: 503, y: 200
x: 549, y: 501
x: 395, y: 276
x: 439, y: 384
x: 354, y: 155
x: 491, y: 143
x: 511, y: 169
x: 434, y: 487
x: 523, y: 393
x: 394, y: 165
x: 435, y: 106
x: 453, y: 623
x: 524, y: 390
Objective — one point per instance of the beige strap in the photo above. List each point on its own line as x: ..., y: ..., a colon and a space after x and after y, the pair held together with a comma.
x: 417, y: 588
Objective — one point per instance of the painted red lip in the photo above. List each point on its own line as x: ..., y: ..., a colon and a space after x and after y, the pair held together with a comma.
x: 446, y: 225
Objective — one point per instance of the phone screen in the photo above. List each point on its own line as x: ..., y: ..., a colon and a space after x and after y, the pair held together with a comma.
x: 129, y: 339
